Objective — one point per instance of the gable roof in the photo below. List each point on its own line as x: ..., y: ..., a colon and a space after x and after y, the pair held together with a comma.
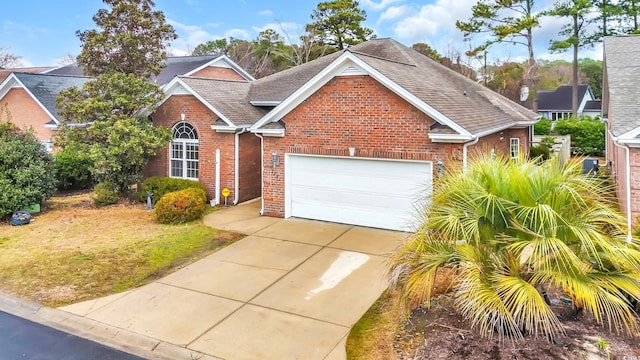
x: 43, y: 88
x: 228, y: 99
x: 593, y: 105
x: 560, y: 98
x: 622, y: 74
x: 175, y: 66
x: 451, y: 99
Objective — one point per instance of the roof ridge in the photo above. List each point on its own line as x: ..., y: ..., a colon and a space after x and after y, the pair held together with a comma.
x: 381, y: 58
x: 214, y: 79
x: 54, y: 75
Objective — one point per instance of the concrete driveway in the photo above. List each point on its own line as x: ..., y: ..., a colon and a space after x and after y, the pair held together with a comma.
x: 292, y: 289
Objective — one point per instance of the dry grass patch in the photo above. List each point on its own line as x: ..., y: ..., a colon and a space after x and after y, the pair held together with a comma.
x: 73, y: 252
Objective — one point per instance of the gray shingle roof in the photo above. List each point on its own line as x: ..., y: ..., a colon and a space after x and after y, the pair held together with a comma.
x: 593, y: 105
x: 478, y: 111
x: 227, y: 96
x: 560, y: 98
x: 176, y: 65
x: 621, y: 54
x: 46, y: 88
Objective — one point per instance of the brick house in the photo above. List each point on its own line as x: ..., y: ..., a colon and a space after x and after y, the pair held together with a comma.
x: 358, y: 136
x: 620, y: 110
x: 31, y: 93
x: 31, y: 100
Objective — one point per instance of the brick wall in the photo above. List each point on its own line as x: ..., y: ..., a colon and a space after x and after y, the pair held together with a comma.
x: 198, y: 115
x: 359, y: 112
x: 25, y: 113
x: 217, y: 72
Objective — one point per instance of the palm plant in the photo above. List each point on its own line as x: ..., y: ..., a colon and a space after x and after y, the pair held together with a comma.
x: 510, y: 229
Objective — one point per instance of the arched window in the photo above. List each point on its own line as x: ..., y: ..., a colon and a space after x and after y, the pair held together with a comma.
x: 184, y: 152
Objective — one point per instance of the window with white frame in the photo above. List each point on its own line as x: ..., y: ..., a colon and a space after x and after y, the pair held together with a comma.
x: 183, y: 161
x: 514, y: 148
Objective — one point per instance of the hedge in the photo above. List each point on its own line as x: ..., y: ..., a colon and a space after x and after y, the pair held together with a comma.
x: 159, y: 186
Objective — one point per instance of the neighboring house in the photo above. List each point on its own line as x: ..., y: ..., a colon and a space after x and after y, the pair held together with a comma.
x: 4, y: 73
x: 31, y: 100
x: 556, y: 104
x: 354, y: 137
x: 622, y: 114
x: 206, y: 66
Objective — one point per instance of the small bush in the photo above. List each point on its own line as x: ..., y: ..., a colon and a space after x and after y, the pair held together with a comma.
x: 181, y: 206
x: 105, y: 194
x: 542, y: 127
x: 160, y: 186
x: 73, y: 170
x: 539, y: 151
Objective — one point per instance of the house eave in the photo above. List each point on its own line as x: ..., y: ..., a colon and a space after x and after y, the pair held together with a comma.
x: 269, y: 132
x: 265, y: 103
x: 224, y: 129
x: 450, y: 138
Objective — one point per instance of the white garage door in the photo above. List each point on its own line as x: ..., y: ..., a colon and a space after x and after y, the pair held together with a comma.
x: 375, y: 193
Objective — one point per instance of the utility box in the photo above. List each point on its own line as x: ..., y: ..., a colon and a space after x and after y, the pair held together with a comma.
x: 590, y: 166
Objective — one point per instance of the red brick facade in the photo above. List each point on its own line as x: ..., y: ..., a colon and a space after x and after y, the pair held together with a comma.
x: 218, y: 72
x: 359, y: 112
x: 26, y: 113
x: 198, y: 115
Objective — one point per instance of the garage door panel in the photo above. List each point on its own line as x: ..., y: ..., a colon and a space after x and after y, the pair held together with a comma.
x: 367, y: 192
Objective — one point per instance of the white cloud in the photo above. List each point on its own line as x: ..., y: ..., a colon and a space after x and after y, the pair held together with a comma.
x: 238, y: 34
x: 383, y: 4
x: 435, y: 22
x: 395, y: 12
x: 265, y: 13
x: 290, y: 31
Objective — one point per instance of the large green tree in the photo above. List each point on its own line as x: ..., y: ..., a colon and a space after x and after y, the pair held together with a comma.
x: 629, y: 10
x: 131, y: 38
x: 105, y: 119
x: 574, y: 36
x: 26, y: 173
x: 338, y: 23
x: 512, y: 230
x: 500, y: 21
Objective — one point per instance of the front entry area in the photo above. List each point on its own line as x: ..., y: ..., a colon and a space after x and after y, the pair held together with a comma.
x: 377, y: 193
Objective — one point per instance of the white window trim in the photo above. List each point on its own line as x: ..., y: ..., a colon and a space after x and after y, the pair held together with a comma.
x: 183, y: 144
x: 514, y: 142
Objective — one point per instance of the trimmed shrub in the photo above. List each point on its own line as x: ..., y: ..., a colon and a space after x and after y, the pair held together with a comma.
x: 159, y: 186
x: 105, y: 194
x: 73, y: 170
x: 539, y: 151
x: 542, y: 127
x: 181, y: 206
x: 587, y: 135
x: 26, y: 173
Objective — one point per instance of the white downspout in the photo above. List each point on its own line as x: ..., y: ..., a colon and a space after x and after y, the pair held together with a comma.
x: 464, y: 152
x: 628, y: 185
x: 217, y: 198
x: 261, y: 172
x: 236, y: 192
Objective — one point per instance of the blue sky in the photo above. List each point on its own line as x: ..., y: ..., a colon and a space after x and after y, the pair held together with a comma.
x: 43, y: 31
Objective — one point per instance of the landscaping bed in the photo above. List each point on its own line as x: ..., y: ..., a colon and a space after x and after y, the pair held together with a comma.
x: 73, y: 252
x: 387, y: 332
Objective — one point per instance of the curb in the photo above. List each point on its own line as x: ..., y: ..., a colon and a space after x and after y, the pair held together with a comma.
x: 121, y: 339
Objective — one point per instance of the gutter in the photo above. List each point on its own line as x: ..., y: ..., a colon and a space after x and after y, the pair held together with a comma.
x: 465, y: 152
x: 628, y: 185
x: 236, y: 192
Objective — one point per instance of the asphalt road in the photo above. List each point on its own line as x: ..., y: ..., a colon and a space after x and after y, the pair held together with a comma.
x: 23, y: 339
